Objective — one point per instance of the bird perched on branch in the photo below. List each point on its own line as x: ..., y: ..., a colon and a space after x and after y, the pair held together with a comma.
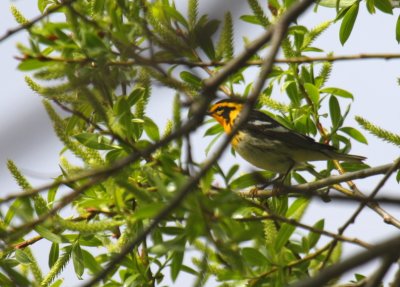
x: 266, y: 144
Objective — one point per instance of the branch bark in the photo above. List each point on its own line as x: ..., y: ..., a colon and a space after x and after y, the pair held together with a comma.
x: 391, y: 246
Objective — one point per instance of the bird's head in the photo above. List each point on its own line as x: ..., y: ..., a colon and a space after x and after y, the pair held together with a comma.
x: 226, y: 112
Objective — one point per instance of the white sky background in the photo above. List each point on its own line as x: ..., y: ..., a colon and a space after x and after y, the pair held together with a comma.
x: 26, y: 135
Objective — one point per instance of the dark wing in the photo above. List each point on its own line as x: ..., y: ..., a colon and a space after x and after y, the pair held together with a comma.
x: 272, y: 130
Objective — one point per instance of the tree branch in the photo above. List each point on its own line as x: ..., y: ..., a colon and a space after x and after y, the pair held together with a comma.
x: 322, y: 183
x: 253, y: 282
x: 377, y: 277
x: 391, y: 246
x: 49, y: 11
x: 294, y: 222
x: 297, y: 60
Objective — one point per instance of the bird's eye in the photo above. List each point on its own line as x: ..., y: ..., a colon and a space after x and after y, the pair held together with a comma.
x: 219, y: 110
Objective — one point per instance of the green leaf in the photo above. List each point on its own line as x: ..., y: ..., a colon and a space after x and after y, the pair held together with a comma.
x: 77, y: 259
x: 312, y: 92
x: 384, y: 5
x: 398, y: 177
x: 11, y: 211
x: 93, y: 43
x: 371, y: 6
x: 90, y: 262
x: 398, y: 30
x: 293, y: 93
x: 334, y: 3
x: 57, y: 283
x: 354, y: 166
x: 135, y: 96
x: 151, y: 129
x: 355, y: 134
x: 334, y: 111
x: 337, y: 92
x: 348, y: 23
x: 4, y: 281
x: 283, y: 236
x: 148, y: 211
x: 204, y: 35
x: 297, y: 208
x: 94, y: 141
x: 295, y: 211
x: 213, y: 141
x: 232, y: 172
x: 18, y: 279
x: 251, y: 19
x: 43, y: 4
x: 254, y: 257
x: 175, y: 14
x: 46, y: 233
x: 22, y: 257
x: 176, y: 264
x: 337, y: 253
x: 214, y: 130
x: 314, y: 237
x: 289, y: 3
x: 250, y: 179
x: 54, y: 254
x: 51, y: 195
x: 33, y: 64
x: 191, y: 79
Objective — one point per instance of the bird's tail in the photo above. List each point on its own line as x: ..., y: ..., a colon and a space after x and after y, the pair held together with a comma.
x: 346, y: 157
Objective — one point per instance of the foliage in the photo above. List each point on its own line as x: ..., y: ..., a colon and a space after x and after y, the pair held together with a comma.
x: 98, y: 71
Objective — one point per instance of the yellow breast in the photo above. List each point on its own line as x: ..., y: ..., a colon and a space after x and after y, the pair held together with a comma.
x: 237, y: 138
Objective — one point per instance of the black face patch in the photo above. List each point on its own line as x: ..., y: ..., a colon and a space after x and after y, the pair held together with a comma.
x: 225, y: 113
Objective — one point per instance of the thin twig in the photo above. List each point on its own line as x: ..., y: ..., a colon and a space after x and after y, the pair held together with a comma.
x: 325, y: 182
x: 264, y: 194
x: 297, y: 60
x: 387, y: 218
x: 253, y: 282
x: 381, y: 183
x: 28, y: 242
x: 29, y: 24
x: 294, y: 222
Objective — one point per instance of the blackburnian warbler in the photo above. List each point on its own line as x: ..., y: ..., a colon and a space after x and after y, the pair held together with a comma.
x: 266, y: 144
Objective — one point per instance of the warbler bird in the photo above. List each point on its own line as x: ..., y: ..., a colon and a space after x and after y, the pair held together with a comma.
x: 267, y: 144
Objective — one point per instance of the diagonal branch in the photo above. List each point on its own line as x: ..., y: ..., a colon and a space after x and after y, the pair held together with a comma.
x: 25, y: 26
x: 373, y: 205
x: 388, y: 247
x: 377, y: 277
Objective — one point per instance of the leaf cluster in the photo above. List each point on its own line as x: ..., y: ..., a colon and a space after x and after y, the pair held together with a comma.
x: 99, y: 70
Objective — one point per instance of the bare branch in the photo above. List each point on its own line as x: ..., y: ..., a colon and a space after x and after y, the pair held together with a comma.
x: 391, y: 246
x: 322, y: 183
x: 396, y: 279
x: 299, y: 60
x: 294, y: 222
